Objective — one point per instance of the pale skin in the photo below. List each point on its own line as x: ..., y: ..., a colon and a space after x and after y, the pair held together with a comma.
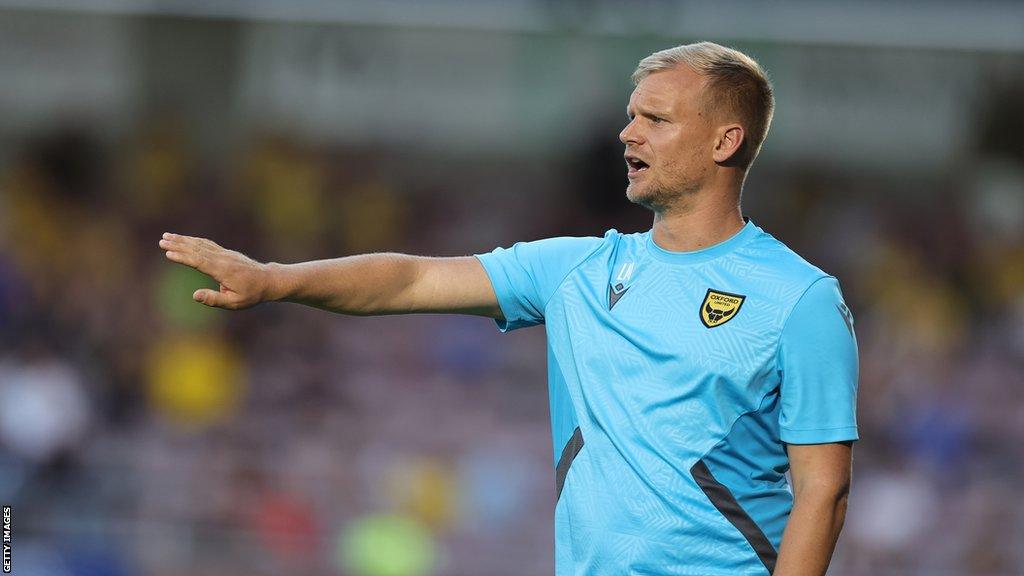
x: 694, y: 192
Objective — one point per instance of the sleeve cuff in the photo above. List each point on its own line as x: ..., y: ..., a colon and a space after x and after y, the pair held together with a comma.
x: 501, y: 292
x: 821, y: 436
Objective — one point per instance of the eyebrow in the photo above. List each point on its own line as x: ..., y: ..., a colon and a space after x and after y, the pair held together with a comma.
x: 649, y: 113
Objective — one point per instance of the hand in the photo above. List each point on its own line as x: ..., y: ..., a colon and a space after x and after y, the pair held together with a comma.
x: 244, y: 282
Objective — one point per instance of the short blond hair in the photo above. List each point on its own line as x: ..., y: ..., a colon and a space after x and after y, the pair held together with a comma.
x: 736, y: 85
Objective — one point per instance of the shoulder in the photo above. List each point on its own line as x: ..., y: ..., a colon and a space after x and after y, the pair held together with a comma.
x: 546, y: 262
x: 786, y: 281
x: 779, y: 264
x: 568, y: 250
x: 579, y: 244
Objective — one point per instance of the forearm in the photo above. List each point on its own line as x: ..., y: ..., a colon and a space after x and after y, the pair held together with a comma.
x: 811, y: 533
x: 361, y: 285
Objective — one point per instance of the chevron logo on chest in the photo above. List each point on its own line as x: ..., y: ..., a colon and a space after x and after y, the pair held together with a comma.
x: 615, y: 293
x: 618, y: 288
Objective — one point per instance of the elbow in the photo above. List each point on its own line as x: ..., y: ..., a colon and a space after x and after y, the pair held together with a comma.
x: 837, y: 491
x: 827, y: 499
x: 840, y: 497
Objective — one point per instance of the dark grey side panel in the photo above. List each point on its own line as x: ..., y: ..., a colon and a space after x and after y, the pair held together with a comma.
x: 572, y: 448
x: 726, y: 503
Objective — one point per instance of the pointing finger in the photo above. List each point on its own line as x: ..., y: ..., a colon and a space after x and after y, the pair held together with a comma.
x: 186, y: 258
x: 175, y: 242
x: 175, y: 238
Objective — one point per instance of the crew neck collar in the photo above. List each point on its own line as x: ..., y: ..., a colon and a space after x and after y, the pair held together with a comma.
x: 704, y: 254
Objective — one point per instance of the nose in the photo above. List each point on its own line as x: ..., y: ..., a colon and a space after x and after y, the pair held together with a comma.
x: 630, y: 134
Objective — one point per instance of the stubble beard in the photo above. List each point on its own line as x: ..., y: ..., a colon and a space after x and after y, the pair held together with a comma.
x: 659, y: 198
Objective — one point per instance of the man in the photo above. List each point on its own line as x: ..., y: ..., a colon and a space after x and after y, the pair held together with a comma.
x: 690, y: 366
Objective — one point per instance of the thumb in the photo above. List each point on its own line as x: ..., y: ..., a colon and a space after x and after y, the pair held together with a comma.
x: 210, y: 297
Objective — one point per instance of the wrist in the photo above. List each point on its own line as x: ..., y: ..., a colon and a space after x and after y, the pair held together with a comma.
x: 276, y: 286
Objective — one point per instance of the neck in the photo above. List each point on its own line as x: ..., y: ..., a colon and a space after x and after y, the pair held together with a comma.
x: 698, y: 225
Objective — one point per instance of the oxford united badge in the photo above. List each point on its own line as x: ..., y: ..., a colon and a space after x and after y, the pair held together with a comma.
x: 719, y: 307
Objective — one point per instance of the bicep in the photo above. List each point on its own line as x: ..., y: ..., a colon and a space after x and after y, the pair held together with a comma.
x: 451, y: 285
x: 825, y: 466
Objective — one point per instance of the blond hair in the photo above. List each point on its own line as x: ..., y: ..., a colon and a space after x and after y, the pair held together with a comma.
x: 737, y: 88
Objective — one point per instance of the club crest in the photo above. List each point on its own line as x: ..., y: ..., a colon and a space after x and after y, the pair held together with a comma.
x: 719, y: 307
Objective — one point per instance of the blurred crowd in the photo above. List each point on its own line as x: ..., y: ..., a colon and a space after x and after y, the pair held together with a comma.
x: 142, y: 433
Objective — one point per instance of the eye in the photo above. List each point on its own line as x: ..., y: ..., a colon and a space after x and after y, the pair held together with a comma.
x: 656, y: 120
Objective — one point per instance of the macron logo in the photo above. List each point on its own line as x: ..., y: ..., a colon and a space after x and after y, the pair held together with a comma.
x: 618, y: 290
x: 615, y: 293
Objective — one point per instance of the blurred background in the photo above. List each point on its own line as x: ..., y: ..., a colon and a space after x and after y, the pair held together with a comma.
x: 143, y: 434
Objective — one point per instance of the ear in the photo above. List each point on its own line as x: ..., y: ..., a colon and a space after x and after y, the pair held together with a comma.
x: 728, y: 143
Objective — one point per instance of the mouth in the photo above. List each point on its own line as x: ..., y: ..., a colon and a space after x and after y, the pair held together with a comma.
x: 635, y: 166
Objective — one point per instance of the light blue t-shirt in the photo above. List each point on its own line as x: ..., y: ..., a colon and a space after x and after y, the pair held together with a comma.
x: 676, y: 379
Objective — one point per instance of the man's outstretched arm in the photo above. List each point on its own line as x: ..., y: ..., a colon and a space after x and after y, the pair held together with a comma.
x: 364, y: 285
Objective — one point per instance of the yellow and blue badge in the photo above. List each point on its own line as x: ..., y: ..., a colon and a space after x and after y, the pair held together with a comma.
x: 719, y: 307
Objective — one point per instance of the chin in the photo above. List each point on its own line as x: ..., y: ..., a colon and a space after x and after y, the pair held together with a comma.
x: 634, y: 193
x: 654, y: 199
x: 639, y: 195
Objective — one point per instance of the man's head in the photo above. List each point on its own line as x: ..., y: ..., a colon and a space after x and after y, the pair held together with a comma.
x: 698, y: 111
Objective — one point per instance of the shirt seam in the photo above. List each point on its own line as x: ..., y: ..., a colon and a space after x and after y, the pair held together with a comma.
x: 816, y: 429
x: 544, y: 308
x: 732, y: 426
x: 778, y: 342
x: 483, y: 260
x: 662, y: 258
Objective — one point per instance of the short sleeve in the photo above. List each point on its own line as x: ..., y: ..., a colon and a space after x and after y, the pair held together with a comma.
x: 818, y: 365
x: 526, y: 275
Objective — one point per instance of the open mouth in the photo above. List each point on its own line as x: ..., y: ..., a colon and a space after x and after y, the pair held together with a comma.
x: 635, y: 165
